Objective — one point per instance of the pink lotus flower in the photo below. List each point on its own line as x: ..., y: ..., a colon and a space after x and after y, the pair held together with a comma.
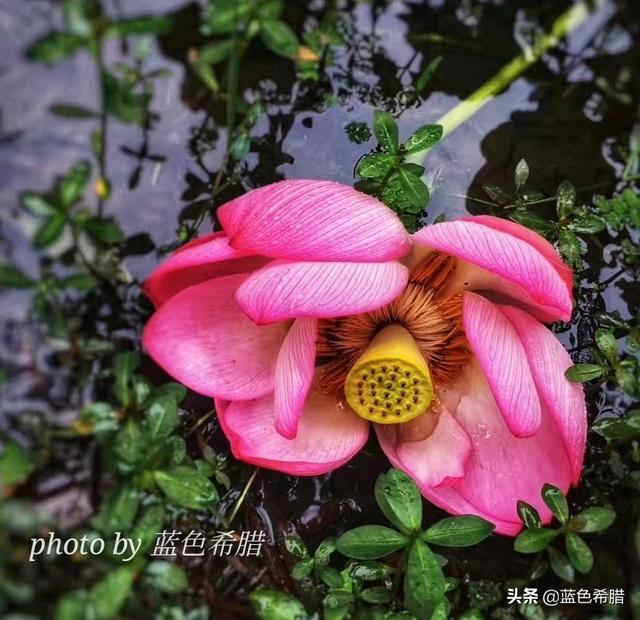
x: 315, y: 313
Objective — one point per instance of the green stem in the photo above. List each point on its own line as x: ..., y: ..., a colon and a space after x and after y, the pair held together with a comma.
x: 242, y: 497
x: 563, y: 25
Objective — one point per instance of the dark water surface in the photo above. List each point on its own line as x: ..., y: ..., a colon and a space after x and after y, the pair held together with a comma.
x: 557, y: 116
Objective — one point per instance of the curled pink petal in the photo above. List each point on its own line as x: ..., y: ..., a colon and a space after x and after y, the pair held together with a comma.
x: 314, y: 220
x: 496, y: 345
x: 501, y: 468
x: 432, y: 457
x: 200, y: 260
x: 202, y: 339
x: 532, y: 238
x: 284, y: 289
x: 564, y: 400
x: 329, y: 435
x: 294, y: 375
x: 503, y: 263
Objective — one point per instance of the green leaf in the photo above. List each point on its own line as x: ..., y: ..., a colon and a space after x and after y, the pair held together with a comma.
x: 441, y: 612
x: 615, y: 429
x: 385, y: 130
x: 587, y: 224
x: 108, y: 595
x: 565, y: 200
x: 528, y: 515
x: 579, y: 553
x: 427, y: 74
x: 377, y: 595
x: 165, y: 576
x: 413, y: 188
x: 15, y: 465
x: 556, y: 502
x: 70, y: 110
x: 274, y: 605
x: 123, y: 102
x: 161, y: 417
x: 595, y: 519
x: 462, y: 531
x: 302, y: 569
x: 560, y: 565
x: 118, y: 510
x: 581, y: 373
x: 72, y: 606
x: 37, y: 205
x: 72, y: 185
x: 606, y: 343
x: 424, y: 583
x: 324, y: 550
x: 497, y: 194
x: 224, y: 16
x: 148, y: 525
x: 534, y: 539
x: 399, y: 500
x: 129, y: 446
x: 124, y: 365
x: 50, y: 231
x: 423, y: 138
x: 139, y: 25
x: 279, y: 38
x: 12, y: 277
x: 569, y: 245
x: 521, y: 174
x: 56, y: 46
x: 370, y: 542
x: 376, y: 165
x: 532, y: 220
x: 187, y: 487
x: 104, y: 229
x: 214, y: 53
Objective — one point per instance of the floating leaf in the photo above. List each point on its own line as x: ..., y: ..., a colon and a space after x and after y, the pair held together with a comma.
x: 462, y: 531
x: 370, y: 542
x: 399, y: 500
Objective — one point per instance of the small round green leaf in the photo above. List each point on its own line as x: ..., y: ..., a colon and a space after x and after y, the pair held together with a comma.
x: 385, y: 130
x: 581, y: 373
x: 399, y: 500
x: 423, y: 138
x: 424, y: 582
x: 534, y: 539
x: 596, y: 519
x: 579, y: 553
x: 556, y: 502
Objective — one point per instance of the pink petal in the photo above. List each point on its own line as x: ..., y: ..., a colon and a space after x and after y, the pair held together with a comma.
x: 534, y: 239
x: 202, y: 259
x: 564, y: 400
x: 503, y: 263
x: 294, y: 375
x: 430, y: 457
x: 501, y: 469
x: 496, y: 345
x: 314, y: 220
x: 329, y: 435
x: 202, y: 339
x: 284, y: 289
